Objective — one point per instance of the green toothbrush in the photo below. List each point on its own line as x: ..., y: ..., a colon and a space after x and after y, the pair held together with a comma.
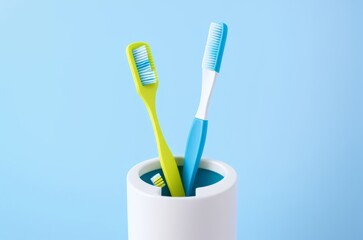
x: 146, y: 81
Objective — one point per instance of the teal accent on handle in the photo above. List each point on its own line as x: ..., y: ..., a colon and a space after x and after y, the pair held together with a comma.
x: 193, y: 153
x: 221, y: 46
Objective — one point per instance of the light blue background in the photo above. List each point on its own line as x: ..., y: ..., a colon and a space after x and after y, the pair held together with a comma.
x: 286, y: 112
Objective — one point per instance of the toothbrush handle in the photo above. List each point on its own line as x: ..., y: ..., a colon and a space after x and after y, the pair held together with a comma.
x: 193, y: 153
x: 167, y: 160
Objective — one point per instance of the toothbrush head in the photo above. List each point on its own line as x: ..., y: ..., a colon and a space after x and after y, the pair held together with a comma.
x: 142, y: 65
x: 214, y: 48
x: 158, y: 181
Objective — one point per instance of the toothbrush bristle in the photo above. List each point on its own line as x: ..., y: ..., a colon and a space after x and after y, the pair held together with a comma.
x: 158, y: 181
x: 214, y: 48
x: 143, y: 65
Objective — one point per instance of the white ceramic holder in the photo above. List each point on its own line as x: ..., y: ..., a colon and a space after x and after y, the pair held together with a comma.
x: 209, y: 215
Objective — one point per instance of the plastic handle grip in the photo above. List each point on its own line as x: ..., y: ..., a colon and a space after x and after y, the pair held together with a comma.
x: 167, y: 161
x: 193, y: 153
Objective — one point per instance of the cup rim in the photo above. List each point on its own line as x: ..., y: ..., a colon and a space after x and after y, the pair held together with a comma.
x: 228, y: 181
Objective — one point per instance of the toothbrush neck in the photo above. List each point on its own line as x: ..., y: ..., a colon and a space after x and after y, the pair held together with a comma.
x: 208, y: 79
x: 151, y: 108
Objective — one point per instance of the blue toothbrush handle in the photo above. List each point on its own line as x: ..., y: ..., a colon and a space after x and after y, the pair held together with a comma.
x: 193, y: 153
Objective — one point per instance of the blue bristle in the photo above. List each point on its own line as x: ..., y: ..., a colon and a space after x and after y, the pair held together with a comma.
x: 143, y: 65
x: 215, y: 46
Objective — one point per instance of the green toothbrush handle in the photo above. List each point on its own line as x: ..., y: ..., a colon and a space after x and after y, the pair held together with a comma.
x: 167, y: 160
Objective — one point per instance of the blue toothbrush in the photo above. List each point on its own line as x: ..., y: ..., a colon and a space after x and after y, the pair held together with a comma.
x: 210, y: 67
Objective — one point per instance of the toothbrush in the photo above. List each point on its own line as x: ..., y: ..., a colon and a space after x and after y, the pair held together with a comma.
x: 158, y: 180
x: 146, y: 81
x: 211, y: 64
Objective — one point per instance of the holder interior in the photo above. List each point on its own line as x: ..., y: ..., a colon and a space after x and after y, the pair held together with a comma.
x: 203, y: 178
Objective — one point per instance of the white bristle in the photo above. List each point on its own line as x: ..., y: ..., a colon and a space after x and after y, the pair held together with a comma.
x: 157, y: 180
x: 147, y: 75
x: 156, y: 176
